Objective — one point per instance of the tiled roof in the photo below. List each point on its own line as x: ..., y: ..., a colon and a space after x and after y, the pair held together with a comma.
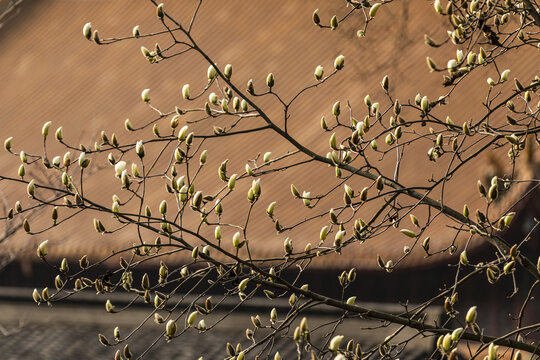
x: 49, y: 72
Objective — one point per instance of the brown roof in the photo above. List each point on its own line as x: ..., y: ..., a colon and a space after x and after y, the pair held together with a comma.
x: 51, y: 73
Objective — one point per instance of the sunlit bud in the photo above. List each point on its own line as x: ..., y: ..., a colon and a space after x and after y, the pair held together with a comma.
x: 389, y: 139
x: 8, y: 143
x: 145, y: 95
x: 424, y: 104
x: 367, y: 101
x: 225, y: 105
x: 185, y: 91
x: 471, y: 58
x: 87, y: 31
x: 398, y: 132
x: 465, y: 211
x: 195, y: 253
x: 197, y: 199
x: 266, y: 156
x: 182, y: 133
x: 244, y: 105
x: 227, y: 72
x: 333, y: 141
x: 373, y: 10
x: 115, y: 207
x: 339, y: 62
x: 431, y: 64
x: 22, y: 170
x: 306, y: 198
x: 463, y: 258
x: 492, y: 351
x: 109, y: 306
x: 170, y: 328
x: 270, y: 80
x: 119, y: 167
x: 135, y: 170
x: 211, y: 73
x: 452, y: 65
x: 493, y: 192
x: 270, y: 209
x: 295, y: 191
x: 471, y: 315
x: 36, y: 296
x: 42, y: 249
x: 490, y: 81
x: 249, y: 171
x: 319, y: 71
x: 136, y: 31
x: 414, y: 220
x: 408, y: 233
x: 191, y: 318
x: 425, y: 244
x: 438, y: 7
x: 288, y: 246
x: 504, y: 75
x: 30, y: 188
x: 481, y: 188
x: 45, y: 128
x: 336, y: 109
x: 163, y: 207
x: 459, y: 55
x: 232, y: 182
x: 510, y: 105
x: 334, y: 23
x: 139, y: 148
x: 256, y: 186
x: 335, y: 343
x: 446, y: 343
x: 159, y: 11
x: 316, y: 18
x: 482, y: 56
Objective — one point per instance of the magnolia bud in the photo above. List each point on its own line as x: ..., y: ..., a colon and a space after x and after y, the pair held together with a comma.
x: 170, y: 328
x: 211, y: 73
x: 87, y: 31
x: 136, y: 31
x: 316, y: 18
x: 373, y: 10
x: 270, y: 80
x: 139, y: 148
x: 42, y: 249
x: 319, y: 71
x: 8, y: 143
x: 185, y: 91
x: 504, y: 75
x: 339, y: 62
x: 227, y: 72
x: 471, y: 315
x: 266, y: 156
x: 145, y: 95
x: 159, y: 11
x: 334, y: 23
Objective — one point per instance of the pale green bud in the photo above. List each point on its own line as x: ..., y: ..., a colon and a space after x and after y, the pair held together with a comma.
x: 438, y: 7
x: 333, y: 141
x: 225, y: 105
x: 45, y: 128
x: 42, y: 249
x: 119, y: 167
x: 266, y: 156
x: 232, y: 182
x: 182, y: 134
x: 270, y: 209
x: 185, y: 91
x: 336, y: 109
x: 504, y: 75
x: 59, y: 134
x: 270, y: 80
x: 8, y: 143
x: 228, y: 71
x: 136, y: 31
x: 159, y: 11
x: 243, y: 284
x: 191, y: 318
x: 145, y: 95
x: 408, y: 233
x: 170, y: 328
x: 373, y: 10
x: 471, y: 315
x: 211, y: 72
x: 319, y: 72
x: 335, y: 343
x: 339, y: 62
x: 87, y: 31
x: 490, y: 81
x: 334, y: 22
x: 30, y: 189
